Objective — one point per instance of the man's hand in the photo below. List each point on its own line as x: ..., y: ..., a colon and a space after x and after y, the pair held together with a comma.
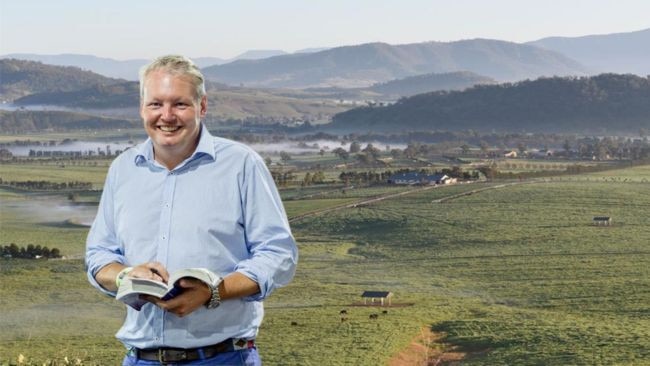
x: 195, y: 294
x: 151, y: 271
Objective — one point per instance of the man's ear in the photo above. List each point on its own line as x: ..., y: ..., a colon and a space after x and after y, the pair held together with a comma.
x: 204, y: 106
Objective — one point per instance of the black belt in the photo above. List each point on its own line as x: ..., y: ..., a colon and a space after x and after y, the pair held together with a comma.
x: 165, y: 355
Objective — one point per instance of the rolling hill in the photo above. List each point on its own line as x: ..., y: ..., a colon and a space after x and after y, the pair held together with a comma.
x: 618, y: 53
x: 33, y: 121
x: 368, y: 64
x: 597, y: 104
x: 21, y: 78
x: 419, y: 84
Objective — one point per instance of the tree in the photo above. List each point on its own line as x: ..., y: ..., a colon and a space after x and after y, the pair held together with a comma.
x: 341, y: 153
x: 55, y: 253
x: 355, y: 147
x: 318, y: 177
x: 411, y: 151
x: 306, y: 181
x: 372, y: 151
x: 364, y: 158
x: 284, y: 156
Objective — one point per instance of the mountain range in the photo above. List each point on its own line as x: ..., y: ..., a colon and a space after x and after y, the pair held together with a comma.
x: 620, y: 53
x: 271, y: 86
x: 128, y: 69
x: 367, y: 64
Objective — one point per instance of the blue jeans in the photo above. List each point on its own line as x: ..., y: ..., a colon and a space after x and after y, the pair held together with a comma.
x: 244, y: 357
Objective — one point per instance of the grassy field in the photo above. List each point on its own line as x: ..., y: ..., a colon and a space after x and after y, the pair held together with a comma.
x: 511, y: 276
x: 92, y: 171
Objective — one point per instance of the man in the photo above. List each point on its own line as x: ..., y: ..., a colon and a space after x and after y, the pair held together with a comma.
x: 186, y: 199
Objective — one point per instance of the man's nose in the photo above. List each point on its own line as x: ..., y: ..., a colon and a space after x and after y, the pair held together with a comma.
x: 168, y: 113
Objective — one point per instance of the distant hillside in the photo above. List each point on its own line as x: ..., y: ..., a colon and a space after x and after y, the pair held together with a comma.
x: 21, y: 78
x: 367, y: 64
x: 32, y: 121
x: 258, y: 54
x: 607, y: 102
x: 122, y: 95
x: 126, y: 69
x: 224, y: 103
x: 620, y: 52
x: 430, y: 82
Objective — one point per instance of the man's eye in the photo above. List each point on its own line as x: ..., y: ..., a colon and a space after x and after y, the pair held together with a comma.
x: 154, y: 105
x: 181, y: 105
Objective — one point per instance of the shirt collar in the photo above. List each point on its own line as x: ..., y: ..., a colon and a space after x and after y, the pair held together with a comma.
x: 204, y: 147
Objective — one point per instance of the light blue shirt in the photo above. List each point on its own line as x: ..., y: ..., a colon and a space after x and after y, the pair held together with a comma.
x: 219, y: 209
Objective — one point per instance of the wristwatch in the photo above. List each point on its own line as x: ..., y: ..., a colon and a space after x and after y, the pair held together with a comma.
x: 215, y: 298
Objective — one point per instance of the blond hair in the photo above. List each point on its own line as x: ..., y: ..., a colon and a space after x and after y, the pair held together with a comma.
x: 175, y: 65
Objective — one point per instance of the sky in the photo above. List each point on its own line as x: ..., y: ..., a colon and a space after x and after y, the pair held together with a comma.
x: 127, y: 29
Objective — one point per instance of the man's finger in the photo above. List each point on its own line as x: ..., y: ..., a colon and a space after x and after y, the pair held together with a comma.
x: 158, y: 271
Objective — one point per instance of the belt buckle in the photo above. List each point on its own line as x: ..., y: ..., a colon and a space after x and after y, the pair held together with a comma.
x: 170, y: 355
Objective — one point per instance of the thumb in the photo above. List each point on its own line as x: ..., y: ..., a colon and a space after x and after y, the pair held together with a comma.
x: 187, y: 283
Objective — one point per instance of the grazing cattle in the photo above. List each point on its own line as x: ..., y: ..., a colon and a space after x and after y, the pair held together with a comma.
x: 374, y: 316
x: 294, y: 323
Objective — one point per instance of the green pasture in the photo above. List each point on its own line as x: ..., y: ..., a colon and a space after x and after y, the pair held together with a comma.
x: 526, y: 277
x: 339, y: 191
x: 295, y: 208
x: 57, y: 172
x: 516, y: 275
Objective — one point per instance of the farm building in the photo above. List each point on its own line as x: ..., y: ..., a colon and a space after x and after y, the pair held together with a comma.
x: 377, y: 297
x: 602, y: 220
x: 420, y: 178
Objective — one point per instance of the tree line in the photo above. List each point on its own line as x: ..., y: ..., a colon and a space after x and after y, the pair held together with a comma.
x: 43, y: 185
x: 30, y: 252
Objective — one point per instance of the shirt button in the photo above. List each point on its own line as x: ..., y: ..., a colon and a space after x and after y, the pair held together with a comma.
x: 163, y: 237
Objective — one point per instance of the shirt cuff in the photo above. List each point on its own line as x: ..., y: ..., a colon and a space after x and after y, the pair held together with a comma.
x: 262, y: 280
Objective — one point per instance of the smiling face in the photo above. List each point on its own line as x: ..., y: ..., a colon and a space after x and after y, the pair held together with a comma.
x: 172, y: 116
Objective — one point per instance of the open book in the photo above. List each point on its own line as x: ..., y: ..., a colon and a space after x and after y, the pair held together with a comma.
x: 131, y: 288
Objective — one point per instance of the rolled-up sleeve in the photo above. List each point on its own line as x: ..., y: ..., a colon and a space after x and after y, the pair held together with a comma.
x: 102, y: 247
x: 273, y: 250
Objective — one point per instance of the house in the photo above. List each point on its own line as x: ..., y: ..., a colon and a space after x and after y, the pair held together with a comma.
x: 602, y: 220
x: 420, y: 178
x: 377, y: 297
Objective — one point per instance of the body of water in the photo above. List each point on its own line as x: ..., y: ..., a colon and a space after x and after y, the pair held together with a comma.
x: 291, y: 147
